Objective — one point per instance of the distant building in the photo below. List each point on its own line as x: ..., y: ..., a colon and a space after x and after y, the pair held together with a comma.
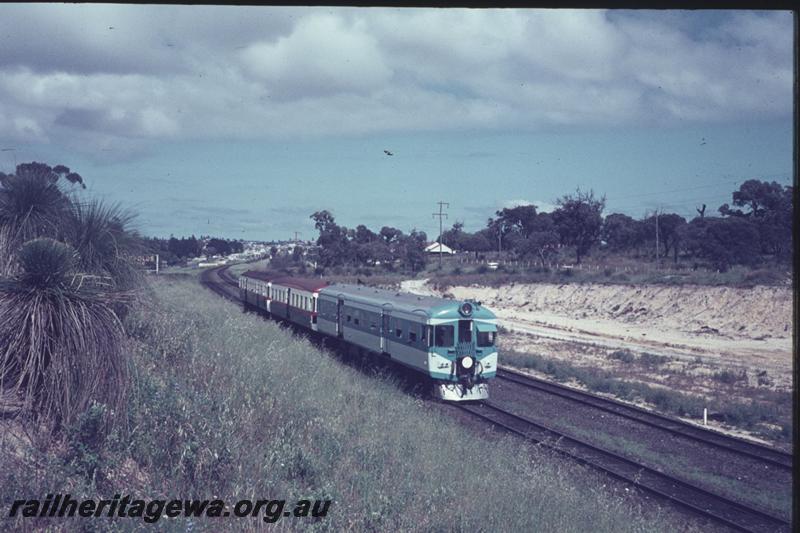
x: 435, y: 248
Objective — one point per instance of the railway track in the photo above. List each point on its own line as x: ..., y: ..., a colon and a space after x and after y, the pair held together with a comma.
x: 717, y: 508
x: 220, y: 282
x: 764, y: 454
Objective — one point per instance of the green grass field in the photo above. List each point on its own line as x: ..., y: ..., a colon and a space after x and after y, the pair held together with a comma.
x: 225, y: 404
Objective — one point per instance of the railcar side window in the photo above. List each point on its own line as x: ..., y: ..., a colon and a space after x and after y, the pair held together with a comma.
x: 486, y: 338
x: 412, y: 336
x: 444, y: 336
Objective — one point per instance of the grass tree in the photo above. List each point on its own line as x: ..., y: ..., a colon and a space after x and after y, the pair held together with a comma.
x: 66, y: 276
x: 30, y: 206
x: 60, y: 340
x: 105, y: 243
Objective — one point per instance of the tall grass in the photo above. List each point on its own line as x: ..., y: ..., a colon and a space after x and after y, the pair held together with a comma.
x: 228, y: 405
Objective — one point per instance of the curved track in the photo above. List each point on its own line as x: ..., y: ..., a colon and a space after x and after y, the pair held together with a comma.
x: 752, y: 450
x: 719, y: 509
x: 220, y: 281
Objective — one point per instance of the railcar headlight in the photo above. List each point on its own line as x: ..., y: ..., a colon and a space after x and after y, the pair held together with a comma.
x: 467, y: 362
x: 466, y: 309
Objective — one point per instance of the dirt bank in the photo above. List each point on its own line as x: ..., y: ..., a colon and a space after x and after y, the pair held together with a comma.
x: 730, y: 312
x: 742, y: 327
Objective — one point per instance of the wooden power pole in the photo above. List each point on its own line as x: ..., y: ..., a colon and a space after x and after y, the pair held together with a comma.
x: 441, y: 215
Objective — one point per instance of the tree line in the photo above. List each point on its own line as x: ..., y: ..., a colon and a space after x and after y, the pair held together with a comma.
x: 339, y: 245
x: 756, y: 228
x: 175, y: 250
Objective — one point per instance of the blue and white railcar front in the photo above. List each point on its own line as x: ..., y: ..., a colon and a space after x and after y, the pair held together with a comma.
x: 463, y: 351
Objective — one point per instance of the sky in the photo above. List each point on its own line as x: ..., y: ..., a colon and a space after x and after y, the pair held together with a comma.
x: 242, y: 121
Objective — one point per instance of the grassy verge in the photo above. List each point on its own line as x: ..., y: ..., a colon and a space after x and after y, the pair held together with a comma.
x: 735, y: 277
x: 228, y: 405
x: 761, y: 417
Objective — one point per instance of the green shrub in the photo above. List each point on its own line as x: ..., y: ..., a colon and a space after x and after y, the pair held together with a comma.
x: 649, y: 359
x: 626, y: 356
x: 730, y: 376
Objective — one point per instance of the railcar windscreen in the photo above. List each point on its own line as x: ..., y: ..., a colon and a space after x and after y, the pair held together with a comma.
x: 486, y: 338
x: 444, y: 336
x: 465, y: 331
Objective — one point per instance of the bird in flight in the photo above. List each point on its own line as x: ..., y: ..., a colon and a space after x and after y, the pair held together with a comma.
x: 387, y: 152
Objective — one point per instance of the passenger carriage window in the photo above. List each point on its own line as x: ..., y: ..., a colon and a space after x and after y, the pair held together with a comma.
x: 444, y: 336
x: 412, y: 336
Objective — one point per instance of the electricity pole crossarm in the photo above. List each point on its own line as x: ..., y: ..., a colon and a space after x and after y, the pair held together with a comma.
x: 441, y: 214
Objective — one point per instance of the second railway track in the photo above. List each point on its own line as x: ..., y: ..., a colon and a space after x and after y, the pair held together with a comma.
x: 761, y: 453
x: 715, y: 507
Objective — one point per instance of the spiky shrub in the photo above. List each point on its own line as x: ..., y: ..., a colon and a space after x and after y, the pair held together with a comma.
x: 105, y: 244
x: 60, y: 341
x: 30, y: 206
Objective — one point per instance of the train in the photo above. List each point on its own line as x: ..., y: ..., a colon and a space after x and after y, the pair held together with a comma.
x: 454, y: 343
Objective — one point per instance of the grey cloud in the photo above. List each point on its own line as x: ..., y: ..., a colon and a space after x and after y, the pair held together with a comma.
x: 163, y: 40
x: 165, y: 72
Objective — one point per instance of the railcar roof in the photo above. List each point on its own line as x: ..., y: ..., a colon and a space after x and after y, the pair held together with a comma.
x: 304, y: 284
x: 379, y: 296
x: 261, y: 275
x: 433, y: 306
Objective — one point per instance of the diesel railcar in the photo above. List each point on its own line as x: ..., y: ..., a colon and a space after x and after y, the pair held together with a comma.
x: 452, y: 342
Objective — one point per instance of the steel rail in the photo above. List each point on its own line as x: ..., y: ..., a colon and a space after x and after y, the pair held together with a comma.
x: 713, y: 506
x: 675, y: 426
